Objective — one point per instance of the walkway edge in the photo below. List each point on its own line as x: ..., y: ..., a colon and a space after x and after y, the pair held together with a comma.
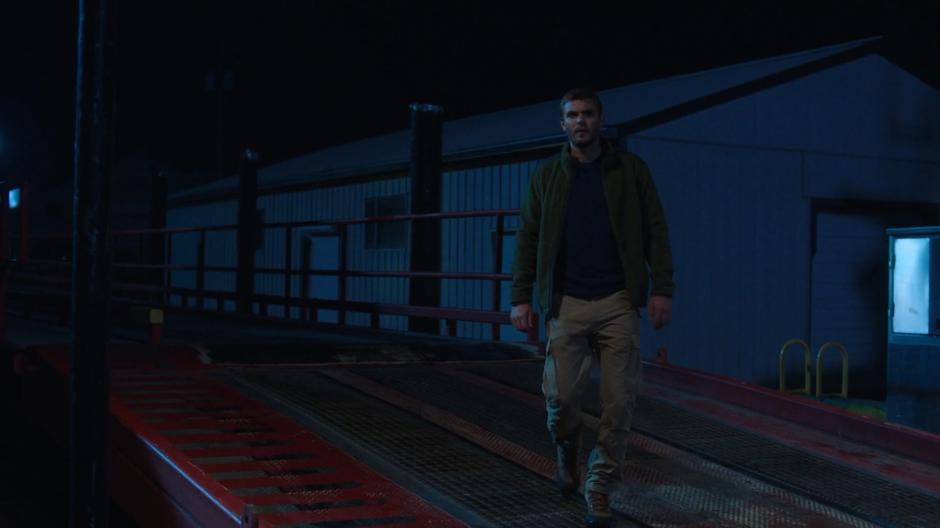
x: 895, y: 438
x: 350, y: 446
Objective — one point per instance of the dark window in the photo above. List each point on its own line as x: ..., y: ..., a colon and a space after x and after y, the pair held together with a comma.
x: 386, y: 235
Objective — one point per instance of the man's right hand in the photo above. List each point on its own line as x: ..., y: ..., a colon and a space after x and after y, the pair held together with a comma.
x: 523, y: 318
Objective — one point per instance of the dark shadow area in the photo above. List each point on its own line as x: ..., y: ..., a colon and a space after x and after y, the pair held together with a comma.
x: 34, y: 466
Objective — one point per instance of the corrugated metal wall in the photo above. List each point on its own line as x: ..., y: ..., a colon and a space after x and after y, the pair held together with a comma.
x: 342, y: 202
x: 221, y: 249
x: 325, y: 204
x: 468, y: 244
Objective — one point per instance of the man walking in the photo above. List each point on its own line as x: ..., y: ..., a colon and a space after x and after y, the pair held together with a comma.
x: 593, y: 236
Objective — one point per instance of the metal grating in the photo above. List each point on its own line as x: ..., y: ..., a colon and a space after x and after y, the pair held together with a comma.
x: 662, y: 487
x: 290, y: 476
x: 878, y: 500
x: 500, y: 493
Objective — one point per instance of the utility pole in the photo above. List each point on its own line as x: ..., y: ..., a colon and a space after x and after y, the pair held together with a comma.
x: 220, y: 104
x: 91, y: 264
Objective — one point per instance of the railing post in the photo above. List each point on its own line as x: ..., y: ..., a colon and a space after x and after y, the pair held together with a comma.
x: 167, y: 267
x: 22, y: 256
x: 201, y: 270
x: 341, y: 273
x: 247, y: 230
x: 497, y: 268
x: 159, y: 187
x: 155, y: 317
x: 4, y: 258
x: 308, y: 314
x: 288, y: 265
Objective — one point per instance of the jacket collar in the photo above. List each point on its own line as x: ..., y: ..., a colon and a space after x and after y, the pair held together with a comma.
x: 609, y: 157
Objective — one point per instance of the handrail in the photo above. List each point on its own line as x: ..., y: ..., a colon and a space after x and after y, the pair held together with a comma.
x: 806, y: 366
x: 134, y: 268
x: 845, y: 368
x: 305, y: 223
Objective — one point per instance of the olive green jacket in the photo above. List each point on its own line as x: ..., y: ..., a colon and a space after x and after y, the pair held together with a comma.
x: 636, y: 217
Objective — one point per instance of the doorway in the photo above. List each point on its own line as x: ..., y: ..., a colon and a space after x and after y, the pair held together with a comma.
x: 849, y: 287
x: 320, y: 247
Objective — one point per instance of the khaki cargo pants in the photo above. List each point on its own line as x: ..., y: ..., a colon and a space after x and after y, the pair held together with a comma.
x: 611, y: 325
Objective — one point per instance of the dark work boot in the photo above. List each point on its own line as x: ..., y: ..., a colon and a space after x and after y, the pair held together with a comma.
x: 567, y: 467
x: 598, y: 509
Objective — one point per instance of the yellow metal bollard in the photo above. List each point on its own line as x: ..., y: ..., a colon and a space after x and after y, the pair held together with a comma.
x: 807, y: 354
x: 845, y: 368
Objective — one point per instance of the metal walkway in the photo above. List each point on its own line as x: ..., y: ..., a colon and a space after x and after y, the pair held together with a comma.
x: 415, y: 434
x: 471, y: 439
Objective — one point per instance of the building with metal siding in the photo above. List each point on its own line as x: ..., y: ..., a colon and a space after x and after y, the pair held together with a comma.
x: 816, y: 169
x: 468, y: 243
x: 220, y: 246
x: 762, y: 168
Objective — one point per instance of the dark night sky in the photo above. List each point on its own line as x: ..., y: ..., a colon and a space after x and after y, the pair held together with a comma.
x: 312, y: 74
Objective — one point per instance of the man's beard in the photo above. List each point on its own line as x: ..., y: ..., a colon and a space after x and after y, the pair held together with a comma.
x: 584, y: 143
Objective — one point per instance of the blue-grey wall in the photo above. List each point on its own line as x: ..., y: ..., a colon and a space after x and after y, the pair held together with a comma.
x: 747, y: 186
x: 220, y: 247
x: 739, y: 229
x: 335, y: 203
x: 341, y: 202
x: 468, y: 244
x: 913, y: 392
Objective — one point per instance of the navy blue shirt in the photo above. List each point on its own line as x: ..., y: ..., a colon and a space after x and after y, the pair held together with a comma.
x: 590, y: 266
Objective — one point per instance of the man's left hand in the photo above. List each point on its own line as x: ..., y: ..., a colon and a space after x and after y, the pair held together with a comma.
x: 660, y: 311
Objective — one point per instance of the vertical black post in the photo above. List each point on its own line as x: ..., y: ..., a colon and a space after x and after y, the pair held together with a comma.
x: 22, y: 256
x: 308, y: 314
x: 91, y: 263
x: 167, y: 270
x: 159, y: 188
x: 341, y: 274
x: 288, y: 265
x: 159, y: 242
x: 426, y: 128
x: 201, y: 271
x: 497, y: 268
x: 247, y: 230
x: 4, y: 256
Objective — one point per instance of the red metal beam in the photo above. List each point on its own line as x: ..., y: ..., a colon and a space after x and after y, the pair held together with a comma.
x: 167, y: 484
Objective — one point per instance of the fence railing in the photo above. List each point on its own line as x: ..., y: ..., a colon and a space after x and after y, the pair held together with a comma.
x: 143, y: 272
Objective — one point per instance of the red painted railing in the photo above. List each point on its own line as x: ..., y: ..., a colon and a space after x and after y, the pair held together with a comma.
x: 136, y: 278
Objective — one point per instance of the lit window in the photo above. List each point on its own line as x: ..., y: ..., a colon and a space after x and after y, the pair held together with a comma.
x: 14, y: 198
x: 911, y: 286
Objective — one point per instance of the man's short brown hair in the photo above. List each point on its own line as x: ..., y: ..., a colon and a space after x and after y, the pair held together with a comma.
x: 582, y: 94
